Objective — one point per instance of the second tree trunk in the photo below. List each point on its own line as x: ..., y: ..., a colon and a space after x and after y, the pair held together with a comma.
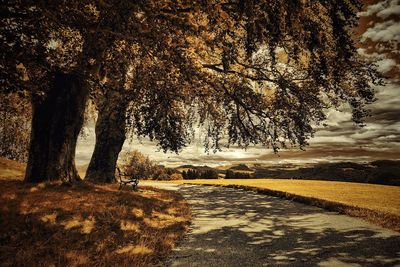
x: 110, y: 136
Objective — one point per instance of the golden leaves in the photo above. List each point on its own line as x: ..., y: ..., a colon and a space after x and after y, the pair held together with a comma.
x: 132, y: 249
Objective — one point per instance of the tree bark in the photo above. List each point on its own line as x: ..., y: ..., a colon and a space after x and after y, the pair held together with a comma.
x: 56, y: 122
x: 110, y: 136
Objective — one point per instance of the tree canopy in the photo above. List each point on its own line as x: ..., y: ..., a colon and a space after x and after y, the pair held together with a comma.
x: 249, y: 72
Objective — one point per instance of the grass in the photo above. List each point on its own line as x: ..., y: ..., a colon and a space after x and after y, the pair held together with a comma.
x: 51, y: 224
x: 379, y: 204
x: 10, y: 169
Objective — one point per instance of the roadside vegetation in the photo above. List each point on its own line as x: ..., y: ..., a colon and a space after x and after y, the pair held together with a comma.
x: 138, y: 165
x: 50, y: 224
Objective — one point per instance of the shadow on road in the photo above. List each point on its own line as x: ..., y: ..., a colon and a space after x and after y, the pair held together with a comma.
x: 233, y: 227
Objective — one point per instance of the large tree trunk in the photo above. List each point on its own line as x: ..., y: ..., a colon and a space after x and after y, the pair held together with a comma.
x: 110, y: 136
x: 57, y: 120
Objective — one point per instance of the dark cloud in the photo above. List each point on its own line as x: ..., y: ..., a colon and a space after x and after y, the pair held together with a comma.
x: 385, y: 116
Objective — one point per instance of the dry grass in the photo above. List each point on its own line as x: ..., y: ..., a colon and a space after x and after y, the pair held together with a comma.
x: 13, y: 170
x: 82, y: 170
x: 10, y: 169
x: 379, y: 204
x: 91, y: 225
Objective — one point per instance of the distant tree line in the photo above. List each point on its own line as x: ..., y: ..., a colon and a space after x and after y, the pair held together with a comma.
x: 200, y: 174
x: 238, y: 175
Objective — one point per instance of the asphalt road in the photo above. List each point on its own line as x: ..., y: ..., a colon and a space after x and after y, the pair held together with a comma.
x: 233, y: 227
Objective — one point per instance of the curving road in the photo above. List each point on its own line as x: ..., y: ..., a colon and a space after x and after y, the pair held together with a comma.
x: 233, y: 227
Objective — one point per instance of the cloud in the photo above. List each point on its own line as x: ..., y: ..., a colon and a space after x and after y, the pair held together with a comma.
x: 336, y: 118
x: 383, y: 9
x: 385, y: 65
x: 383, y: 32
x: 392, y: 8
x: 387, y: 98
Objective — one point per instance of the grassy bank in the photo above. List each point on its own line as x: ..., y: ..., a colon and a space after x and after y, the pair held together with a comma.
x: 50, y: 224
x: 11, y: 170
x: 379, y: 204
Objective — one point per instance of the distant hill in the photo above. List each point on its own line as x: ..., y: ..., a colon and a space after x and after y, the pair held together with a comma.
x: 187, y: 166
x: 241, y: 167
x: 376, y: 172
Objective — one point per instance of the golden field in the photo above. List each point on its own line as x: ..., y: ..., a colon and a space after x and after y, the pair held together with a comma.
x: 371, y: 196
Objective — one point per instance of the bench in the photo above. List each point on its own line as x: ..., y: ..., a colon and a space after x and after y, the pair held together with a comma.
x: 127, y: 179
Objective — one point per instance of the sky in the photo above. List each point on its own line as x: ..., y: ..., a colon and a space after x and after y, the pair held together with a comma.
x: 341, y: 140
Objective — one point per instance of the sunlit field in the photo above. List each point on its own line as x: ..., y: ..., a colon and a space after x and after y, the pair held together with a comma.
x: 382, y: 200
x: 376, y: 197
x: 49, y: 224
